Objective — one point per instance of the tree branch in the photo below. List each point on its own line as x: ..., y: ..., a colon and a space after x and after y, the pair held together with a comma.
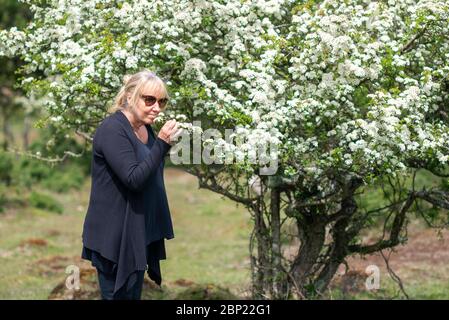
x: 436, y: 197
x: 393, y: 240
x: 409, y: 44
x: 46, y: 159
x: 84, y: 135
x: 208, y: 181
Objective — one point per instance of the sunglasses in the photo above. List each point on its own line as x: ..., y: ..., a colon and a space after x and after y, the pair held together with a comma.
x: 150, y: 100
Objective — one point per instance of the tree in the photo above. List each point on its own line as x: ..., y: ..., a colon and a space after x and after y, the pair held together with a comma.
x: 353, y: 96
x: 13, y: 14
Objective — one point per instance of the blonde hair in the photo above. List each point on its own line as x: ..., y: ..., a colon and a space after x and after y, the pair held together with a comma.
x: 134, y: 84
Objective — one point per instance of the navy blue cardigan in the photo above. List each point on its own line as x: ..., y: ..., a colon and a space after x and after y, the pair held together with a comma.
x: 128, y: 215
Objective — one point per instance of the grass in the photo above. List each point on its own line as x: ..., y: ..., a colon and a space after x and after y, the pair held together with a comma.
x: 210, y: 248
x: 210, y: 244
x: 211, y: 236
x: 435, y: 287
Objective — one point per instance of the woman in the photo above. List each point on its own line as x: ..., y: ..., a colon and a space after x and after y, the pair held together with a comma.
x: 128, y: 215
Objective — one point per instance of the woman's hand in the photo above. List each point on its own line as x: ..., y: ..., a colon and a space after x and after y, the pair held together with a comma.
x: 168, y: 131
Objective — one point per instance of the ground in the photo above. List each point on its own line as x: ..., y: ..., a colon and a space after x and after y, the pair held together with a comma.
x: 207, y: 259
x: 422, y: 264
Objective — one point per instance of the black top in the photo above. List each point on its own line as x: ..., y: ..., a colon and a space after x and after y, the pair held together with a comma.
x: 128, y: 215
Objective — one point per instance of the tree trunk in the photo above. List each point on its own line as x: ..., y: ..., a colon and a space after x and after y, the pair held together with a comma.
x: 7, y: 134
x: 312, y: 233
x: 262, y: 272
x: 280, y: 287
x: 339, y: 248
x: 26, y: 132
x: 337, y: 255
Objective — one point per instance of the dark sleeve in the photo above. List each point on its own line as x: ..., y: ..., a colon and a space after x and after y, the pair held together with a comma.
x: 118, y: 152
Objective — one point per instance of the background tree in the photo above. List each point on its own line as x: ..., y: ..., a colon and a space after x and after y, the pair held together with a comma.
x: 13, y: 14
x: 353, y: 95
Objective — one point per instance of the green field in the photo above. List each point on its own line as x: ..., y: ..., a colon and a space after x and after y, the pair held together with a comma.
x: 208, y: 258
x: 210, y: 244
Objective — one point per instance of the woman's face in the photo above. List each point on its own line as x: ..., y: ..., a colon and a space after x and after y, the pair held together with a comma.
x: 144, y: 113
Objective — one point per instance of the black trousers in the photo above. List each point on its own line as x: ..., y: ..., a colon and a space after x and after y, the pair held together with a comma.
x: 126, y: 292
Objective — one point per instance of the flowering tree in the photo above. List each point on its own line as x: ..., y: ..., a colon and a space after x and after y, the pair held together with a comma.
x: 353, y: 95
